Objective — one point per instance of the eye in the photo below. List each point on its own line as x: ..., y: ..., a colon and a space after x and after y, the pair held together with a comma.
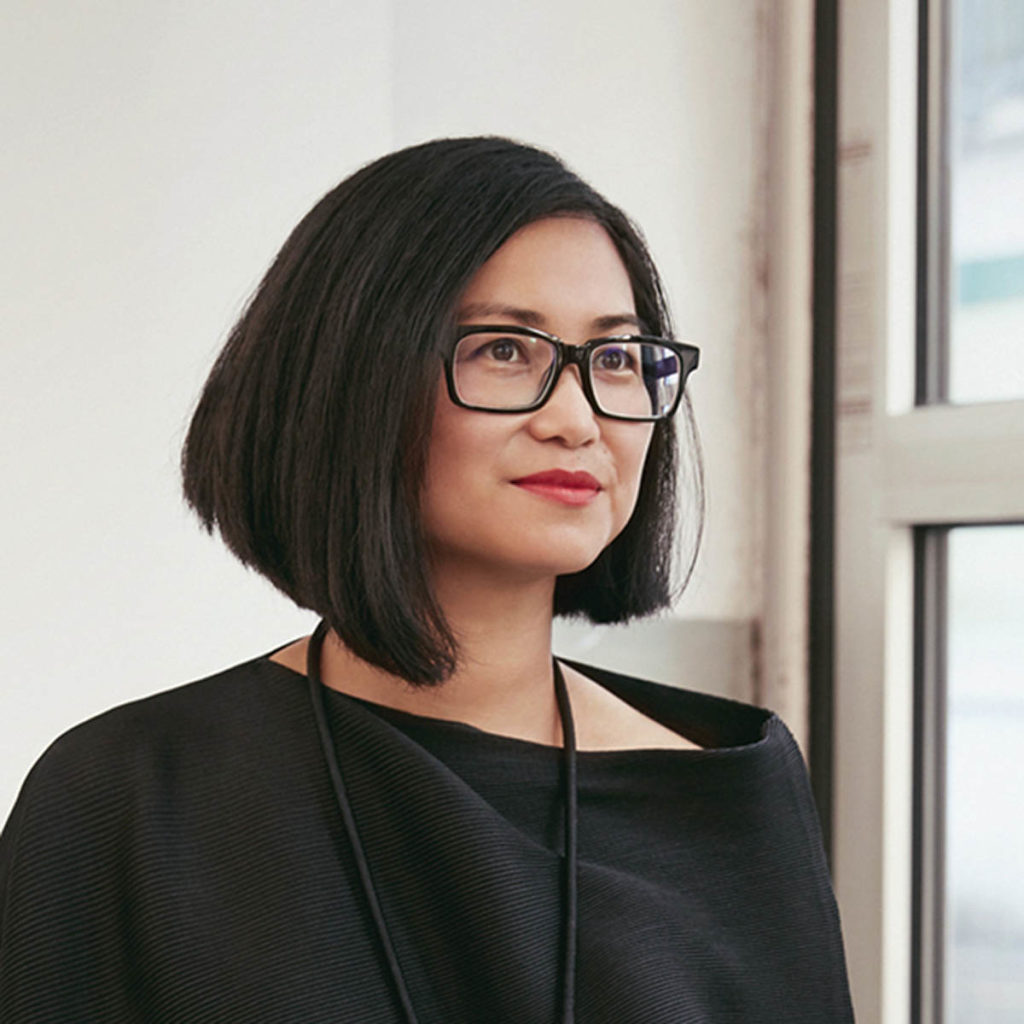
x: 503, y: 350
x: 496, y: 350
x: 614, y: 360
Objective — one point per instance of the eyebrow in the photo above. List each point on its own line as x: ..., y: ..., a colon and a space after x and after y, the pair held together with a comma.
x: 531, y: 318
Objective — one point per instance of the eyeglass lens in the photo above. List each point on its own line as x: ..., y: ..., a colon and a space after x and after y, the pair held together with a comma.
x: 509, y: 371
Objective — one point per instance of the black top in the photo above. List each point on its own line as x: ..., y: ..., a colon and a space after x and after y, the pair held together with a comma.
x: 181, y: 859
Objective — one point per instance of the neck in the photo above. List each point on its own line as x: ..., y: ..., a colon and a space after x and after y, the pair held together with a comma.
x: 503, y: 682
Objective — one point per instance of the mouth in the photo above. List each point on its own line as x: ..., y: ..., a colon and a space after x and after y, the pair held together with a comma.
x: 569, y: 488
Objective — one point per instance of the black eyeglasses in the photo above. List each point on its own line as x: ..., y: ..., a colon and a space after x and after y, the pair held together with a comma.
x: 498, y: 368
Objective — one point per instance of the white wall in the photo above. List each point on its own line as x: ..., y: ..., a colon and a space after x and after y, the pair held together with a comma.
x: 154, y: 158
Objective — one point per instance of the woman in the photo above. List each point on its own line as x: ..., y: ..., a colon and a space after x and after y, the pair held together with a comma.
x: 444, y: 418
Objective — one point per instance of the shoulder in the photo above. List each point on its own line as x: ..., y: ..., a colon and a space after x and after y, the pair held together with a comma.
x: 745, y: 750
x: 705, y: 720
x: 604, y: 721
x: 199, y: 714
x: 145, y: 811
x: 110, y: 763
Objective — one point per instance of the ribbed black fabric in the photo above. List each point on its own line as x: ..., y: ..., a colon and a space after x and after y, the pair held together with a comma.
x: 181, y: 859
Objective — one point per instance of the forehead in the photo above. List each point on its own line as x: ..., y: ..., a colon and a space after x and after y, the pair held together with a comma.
x: 559, y: 267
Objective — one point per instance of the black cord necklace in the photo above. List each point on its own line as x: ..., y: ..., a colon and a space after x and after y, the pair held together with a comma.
x: 569, y: 797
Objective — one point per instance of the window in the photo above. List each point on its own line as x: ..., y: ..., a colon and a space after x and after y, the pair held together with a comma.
x: 984, y: 120
x: 929, y: 562
x: 968, y: 939
x: 984, y: 899
x: 970, y: 775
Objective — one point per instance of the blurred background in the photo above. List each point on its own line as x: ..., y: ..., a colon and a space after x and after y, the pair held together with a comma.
x: 834, y: 192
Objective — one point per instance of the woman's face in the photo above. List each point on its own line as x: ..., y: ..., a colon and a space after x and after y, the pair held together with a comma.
x: 484, y: 506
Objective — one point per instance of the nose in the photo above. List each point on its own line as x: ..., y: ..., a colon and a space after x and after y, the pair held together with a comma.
x: 566, y: 415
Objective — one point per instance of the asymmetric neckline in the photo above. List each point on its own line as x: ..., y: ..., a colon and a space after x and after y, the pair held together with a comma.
x: 633, y: 691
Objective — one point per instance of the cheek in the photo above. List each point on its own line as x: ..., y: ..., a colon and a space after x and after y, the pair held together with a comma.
x: 633, y: 448
x: 632, y: 451
x: 461, y: 477
x: 460, y: 443
x: 448, y: 438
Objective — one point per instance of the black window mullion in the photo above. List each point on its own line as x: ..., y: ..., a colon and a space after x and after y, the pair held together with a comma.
x: 929, y: 832
x: 934, y: 264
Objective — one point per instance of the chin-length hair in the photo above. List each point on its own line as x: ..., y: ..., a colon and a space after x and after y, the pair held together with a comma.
x: 308, y: 446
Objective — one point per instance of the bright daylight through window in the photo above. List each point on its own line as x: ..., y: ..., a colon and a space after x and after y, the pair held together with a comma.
x: 986, y: 157
x: 984, y: 897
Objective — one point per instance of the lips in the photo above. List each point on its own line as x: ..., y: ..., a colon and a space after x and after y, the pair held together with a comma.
x: 569, y: 488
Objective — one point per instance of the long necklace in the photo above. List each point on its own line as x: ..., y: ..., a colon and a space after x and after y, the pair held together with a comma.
x: 569, y: 808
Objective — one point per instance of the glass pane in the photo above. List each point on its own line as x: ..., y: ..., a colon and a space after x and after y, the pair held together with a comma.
x: 986, y: 326
x: 984, y: 968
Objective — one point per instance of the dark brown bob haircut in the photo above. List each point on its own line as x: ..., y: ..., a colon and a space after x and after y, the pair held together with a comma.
x: 307, y: 449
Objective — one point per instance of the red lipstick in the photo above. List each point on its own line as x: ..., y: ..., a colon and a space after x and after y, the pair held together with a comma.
x: 570, y: 488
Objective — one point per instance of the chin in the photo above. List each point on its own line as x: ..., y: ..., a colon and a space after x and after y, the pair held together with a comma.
x: 564, y: 562
x: 523, y: 555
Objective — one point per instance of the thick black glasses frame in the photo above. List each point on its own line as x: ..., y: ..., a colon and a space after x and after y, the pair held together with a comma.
x: 578, y: 355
